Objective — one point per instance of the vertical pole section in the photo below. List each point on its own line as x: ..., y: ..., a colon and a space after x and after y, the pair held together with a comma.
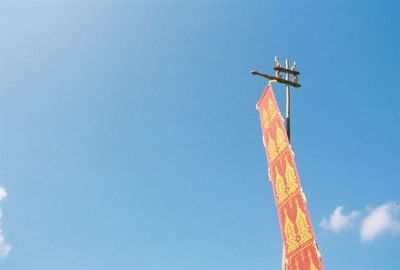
x: 284, y: 258
x: 288, y: 134
x: 287, y: 101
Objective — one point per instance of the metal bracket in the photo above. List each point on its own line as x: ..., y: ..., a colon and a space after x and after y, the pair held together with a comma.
x: 278, y: 79
x: 278, y: 69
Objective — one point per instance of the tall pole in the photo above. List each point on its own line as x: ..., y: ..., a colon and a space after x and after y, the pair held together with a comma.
x: 284, y: 258
x: 287, y: 101
x: 278, y: 78
x: 288, y: 135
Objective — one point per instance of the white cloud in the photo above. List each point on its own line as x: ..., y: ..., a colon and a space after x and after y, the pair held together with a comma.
x: 337, y: 221
x: 4, y: 247
x: 376, y: 221
x: 381, y: 219
x: 3, y: 193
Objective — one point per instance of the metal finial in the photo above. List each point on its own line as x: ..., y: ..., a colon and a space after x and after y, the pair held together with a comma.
x: 294, y: 66
x: 277, y: 62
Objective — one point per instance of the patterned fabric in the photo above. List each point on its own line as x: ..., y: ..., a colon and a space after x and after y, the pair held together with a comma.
x: 297, y: 233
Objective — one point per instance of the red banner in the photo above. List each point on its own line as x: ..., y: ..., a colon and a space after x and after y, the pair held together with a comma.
x: 297, y: 233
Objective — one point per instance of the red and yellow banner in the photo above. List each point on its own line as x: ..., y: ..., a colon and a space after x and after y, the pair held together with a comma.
x: 298, y: 236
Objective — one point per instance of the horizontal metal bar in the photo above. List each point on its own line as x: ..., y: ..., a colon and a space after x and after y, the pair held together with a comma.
x: 280, y: 80
x: 282, y: 69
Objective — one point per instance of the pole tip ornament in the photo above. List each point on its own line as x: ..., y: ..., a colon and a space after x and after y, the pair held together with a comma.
x: 277, y: 64
x: 294, y: 66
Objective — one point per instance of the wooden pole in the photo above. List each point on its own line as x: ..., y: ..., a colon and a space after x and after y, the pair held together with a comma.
x: 288, y: 71
x: 284, y: 266
x: 287, y: 101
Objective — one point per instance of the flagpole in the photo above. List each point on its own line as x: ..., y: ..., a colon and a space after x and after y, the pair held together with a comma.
x: 284, y: 258
x: 284, y: 266
x: 288, y: 71
x: 287, y: 101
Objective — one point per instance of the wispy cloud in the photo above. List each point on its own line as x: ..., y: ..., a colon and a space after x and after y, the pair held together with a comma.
x: 384, y: 218
x: 3, y: 193
x: 4, y: 247
x: 338, y: 221
x: 376, y: 221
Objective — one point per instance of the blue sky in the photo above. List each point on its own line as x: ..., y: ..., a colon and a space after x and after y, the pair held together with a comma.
x: 129, y: 137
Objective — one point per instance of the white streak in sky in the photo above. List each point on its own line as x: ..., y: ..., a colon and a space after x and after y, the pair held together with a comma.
x: 4, y: 247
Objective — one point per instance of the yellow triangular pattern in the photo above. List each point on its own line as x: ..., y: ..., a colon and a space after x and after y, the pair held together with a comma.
x: 290, y: 177
x: 279, y: 187
x: 264, y: 118
x: 280, y: 138
x: 302, y: 225
x: 271, y: 109
x: 272, y: 149
x: 290, y: 234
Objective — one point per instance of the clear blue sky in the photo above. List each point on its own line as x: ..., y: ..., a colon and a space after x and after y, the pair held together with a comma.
x: 129, y: 137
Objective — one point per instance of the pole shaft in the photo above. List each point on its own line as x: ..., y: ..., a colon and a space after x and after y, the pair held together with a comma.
x: 288, y: 134
x: 287, y: 102
x: 284, y: 258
